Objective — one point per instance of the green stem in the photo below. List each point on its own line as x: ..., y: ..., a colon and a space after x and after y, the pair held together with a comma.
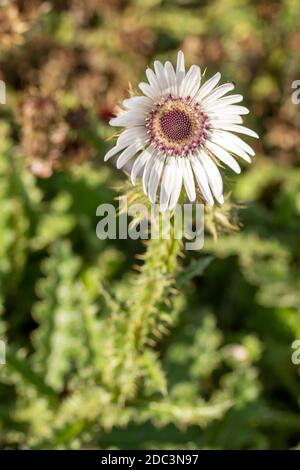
x: 152, y: 289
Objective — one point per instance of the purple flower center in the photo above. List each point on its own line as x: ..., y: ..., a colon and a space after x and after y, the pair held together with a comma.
x: 176, y: 124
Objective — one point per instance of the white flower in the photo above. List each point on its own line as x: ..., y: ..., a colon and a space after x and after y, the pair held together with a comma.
x: 178, y: 131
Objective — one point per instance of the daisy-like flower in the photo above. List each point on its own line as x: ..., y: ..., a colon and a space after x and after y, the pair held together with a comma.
x: 179, y: 131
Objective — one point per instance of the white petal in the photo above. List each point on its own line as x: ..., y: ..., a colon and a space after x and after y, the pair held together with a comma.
x: 166, y: 184
x: 226, y: 119
x: 225, y: 101
x: 213, y: 175
x: 180, y: 69
x: 127, y: 154
x: 138, y: 102
x: 152, y: 79
x: 188, y: 179
x: 224, y: 156
x: 230, y: 109
x: 231, y: 146
x: 202, y: 180
x: 139, y: 163
x: 190, y: 84
x: 220, y: 91
x: 129, y: 118
x: 229, y: 137
x: 177, y: 185
x: 239, y: 129
x: 194, y: 90
x: 149, y: 91
x: 160, y: 73
x: 155, y: 176
x: 147, y: 171
x: 171, y: 78
x: 131, y: 135
x: 208, y: 86
x: 113, y: 151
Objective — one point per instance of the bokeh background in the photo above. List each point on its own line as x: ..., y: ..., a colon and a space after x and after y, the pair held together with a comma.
x: 215, y: 368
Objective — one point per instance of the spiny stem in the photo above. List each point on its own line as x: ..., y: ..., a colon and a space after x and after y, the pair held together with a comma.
x: 144, y: 320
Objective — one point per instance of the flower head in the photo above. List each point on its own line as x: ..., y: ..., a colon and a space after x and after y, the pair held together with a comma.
x: 178, y: 131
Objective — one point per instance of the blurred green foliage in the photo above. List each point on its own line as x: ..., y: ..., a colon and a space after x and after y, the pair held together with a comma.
x: 100, y: 355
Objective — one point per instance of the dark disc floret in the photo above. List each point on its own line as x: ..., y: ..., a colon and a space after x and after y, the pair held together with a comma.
x: 177, y: 126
